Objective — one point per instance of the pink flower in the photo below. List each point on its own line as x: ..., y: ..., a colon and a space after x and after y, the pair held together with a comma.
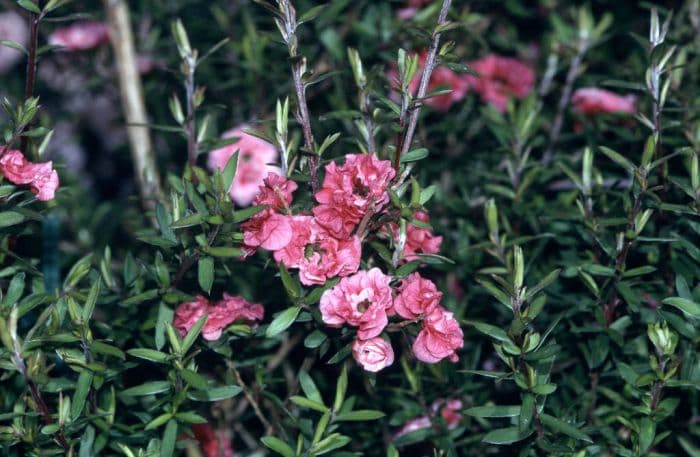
x: 276, y: 192
x: 360, y: 300
x: 253, y: 163
x: 13, y: 27
x: 219, y: 316
x: 267, y: 229
x: 350, y: 191
x: 440, y: 337
x: 373, y: 354
x: 214, y: 443
x: 41, y: 177
x: 591, y: 100
x: 417, y: 297
x: 419, y: 240
x: 80, y: 36
x: 441, y: 76
x: 501, y: 78
x: 317, y: 254
x: 449, y: 412
x: 187, y: 314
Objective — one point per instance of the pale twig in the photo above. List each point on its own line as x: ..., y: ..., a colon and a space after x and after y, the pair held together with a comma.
x: 133, y: 100
x: 428, y: 67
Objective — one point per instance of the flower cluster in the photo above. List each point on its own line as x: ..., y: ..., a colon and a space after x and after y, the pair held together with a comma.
x: 41, y: 177
x: 592, y: 100
x: 326, y: 243
x: 219, y: 315
x: 499, y: 79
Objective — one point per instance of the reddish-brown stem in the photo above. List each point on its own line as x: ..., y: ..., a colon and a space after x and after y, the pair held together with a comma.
x: 430, y: 64
x: 31, y: 66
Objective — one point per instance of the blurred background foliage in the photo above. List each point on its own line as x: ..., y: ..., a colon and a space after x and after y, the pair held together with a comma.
x: 609, y: 399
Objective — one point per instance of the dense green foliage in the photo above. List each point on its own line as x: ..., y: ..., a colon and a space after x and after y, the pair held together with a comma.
x: 570, y: 259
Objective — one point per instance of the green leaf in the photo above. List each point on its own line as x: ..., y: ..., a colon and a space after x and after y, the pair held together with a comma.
x: 647, y: 432
x: 205, y: 273
x: 314, y: 339
x: 29, y: 5
x: 687, y: 306
x: 214, y: 393
x: 82, y: 388
x: 149, y: 354
x: 507, y: 435
x: 341, y: 388
x: 14, y: 290
x: 14, y: 45
x: 618, y: 159
x: 291, y: 285
x: 192, y: 335
x: 91, y: 300
x: 306, y: 403
x: 167, y: 446
x: 282, y: 321
x: 225, y: 251
x: 246, y: 213
x: 412, y: 156
x: 165, y: 314
x: 78, y: 272
x: 106, y: 349
x: 9, y: 218
x: 493, y: 411
x: 87, y: 441
x: 492, y: 331
x: 148, y: 388
x: 527, y: 410
x: 158, y: 421
x: 229, y: 171
x: 360, y: 415
x: 278, y: 446
x: 559, y: 426
x: 330, y: 443
x: 309, y: 387
x: 188, y: 221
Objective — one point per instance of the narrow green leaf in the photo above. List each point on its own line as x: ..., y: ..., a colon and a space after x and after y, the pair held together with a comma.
x: 492, y: 331
x: 527, y: 410
x: 283, y: 320
x: 340, y: 389
x: 360, y: 415
x: 309, y: 387
x: 687, y: 306
x: 205, y: 273
x: 559, y: 426
x: 493, y: 411
x: 192, y: 335
x: 91, y: 300
x: 504, y: 436
x: 148, y: 388
x: 214, y: 393
x: 278, y: 446
x: 149, y: 354
x: 82, y: 388
x: 306, y: 403
x: 167, y: 446
x: 229, y: 171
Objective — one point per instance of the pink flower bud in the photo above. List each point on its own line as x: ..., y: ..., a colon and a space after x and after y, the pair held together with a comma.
x: 373, y: 354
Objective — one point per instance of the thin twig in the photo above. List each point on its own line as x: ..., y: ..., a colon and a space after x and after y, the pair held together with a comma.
x: 571, y: 76
x: 133, y: 101
x: 249, y: 396
x: 31, y: 66
x: 190, y: 125
x: 428, y: 67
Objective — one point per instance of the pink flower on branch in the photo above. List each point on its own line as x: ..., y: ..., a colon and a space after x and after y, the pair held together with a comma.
x: 360, y: 300
x: 440, y: 337
x: 500, y: 79
x: 268, y: 230
x: 80, y: 36
x: 214, y: 443
x: 41, y: 177
x: 592, y: 100
x: 450, y: 413
x: 351, y: 190
x: 219, y: 316
x: 419, y: 240
x: 373, y: 354
x: 254, y: 159
x: 317, y: 254
x: 417, y: 297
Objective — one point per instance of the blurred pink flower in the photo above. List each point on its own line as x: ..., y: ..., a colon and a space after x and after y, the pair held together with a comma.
x: 440, y: 337
x: 501, y: 78
x: 419, y: 240
x: 13, y: 27
x: 317, y: 254
x: 441, y: 76
x: 360, y: 300
x: 41, y: 177
x: 373, y: 354
x: 351, y: 190
x: 417, y: 297
x: 253, y: 163
x: 449, y: 412
x: 214, y: 443
x: 592, y: 100
x: 80, y: 36
x: 268, y: 230
x: 411, y: 8
x: 219, y: 316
